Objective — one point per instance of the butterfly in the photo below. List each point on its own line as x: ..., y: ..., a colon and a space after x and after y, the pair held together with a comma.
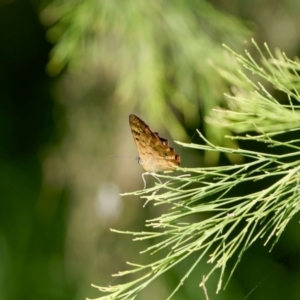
x: 155, y: 154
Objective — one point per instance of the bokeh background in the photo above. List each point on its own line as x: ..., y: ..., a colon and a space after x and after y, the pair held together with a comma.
x: 71, y: 73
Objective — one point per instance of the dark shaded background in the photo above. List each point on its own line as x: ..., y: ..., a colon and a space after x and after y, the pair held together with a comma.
x: 32, y: 238
x: 42, y: 252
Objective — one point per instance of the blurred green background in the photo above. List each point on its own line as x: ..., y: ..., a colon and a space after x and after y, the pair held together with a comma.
x: 71, y: 73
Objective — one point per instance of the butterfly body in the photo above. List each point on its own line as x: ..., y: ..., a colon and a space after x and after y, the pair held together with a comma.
x: 155, y: 154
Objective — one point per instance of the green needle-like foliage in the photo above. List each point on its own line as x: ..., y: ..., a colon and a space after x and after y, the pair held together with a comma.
x: 156, y: 54
x: 227, y: 217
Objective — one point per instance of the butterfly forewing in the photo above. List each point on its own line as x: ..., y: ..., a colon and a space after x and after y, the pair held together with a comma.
x: 155, y: 155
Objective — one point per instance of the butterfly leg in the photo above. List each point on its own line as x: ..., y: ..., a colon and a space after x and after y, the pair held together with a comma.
x: 153, y: 174
x: 148, y: 173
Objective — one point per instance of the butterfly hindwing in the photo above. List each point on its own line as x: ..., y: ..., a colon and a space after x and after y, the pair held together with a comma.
x: 155, y: 155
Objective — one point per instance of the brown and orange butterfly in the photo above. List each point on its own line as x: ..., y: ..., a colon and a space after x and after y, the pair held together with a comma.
x: 155, y: 154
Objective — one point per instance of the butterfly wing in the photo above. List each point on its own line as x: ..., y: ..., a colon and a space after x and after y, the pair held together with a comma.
x: 155, y: 155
